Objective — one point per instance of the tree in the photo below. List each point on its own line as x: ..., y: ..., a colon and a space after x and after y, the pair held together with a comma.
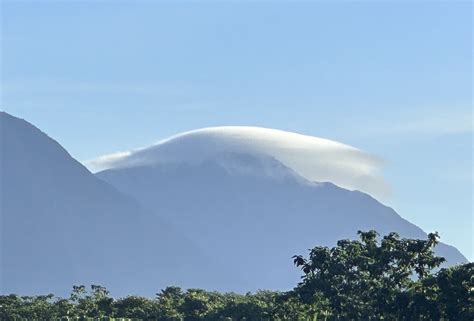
x: 366, y: 278
x: 169, y: 301
x: 134, y: 307
x: 455, y: 291
x: 95, y: 303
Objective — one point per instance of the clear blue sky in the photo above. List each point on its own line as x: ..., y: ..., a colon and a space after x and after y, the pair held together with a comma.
x: 392, y: 78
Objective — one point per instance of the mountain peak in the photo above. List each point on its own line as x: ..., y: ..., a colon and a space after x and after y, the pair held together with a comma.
x: 315, y: 159
x: 61, y: 225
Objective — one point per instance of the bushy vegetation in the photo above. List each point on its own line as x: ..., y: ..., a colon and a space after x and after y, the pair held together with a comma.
x: 372, y: 278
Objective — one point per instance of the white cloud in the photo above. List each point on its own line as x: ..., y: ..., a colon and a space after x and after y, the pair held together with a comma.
x: 314, y: 158
x: 107, y: 161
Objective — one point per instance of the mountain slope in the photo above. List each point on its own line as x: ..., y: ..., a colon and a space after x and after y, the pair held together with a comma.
x: 60, y: 226
x: 252, y: 211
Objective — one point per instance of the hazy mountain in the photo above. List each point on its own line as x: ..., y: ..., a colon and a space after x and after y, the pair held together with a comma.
x: 61, y: 226
x: 205, y: 213
x: 223, y: 189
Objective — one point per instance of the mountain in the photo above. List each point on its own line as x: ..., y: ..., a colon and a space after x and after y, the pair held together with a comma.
x: 62, y: 226
x: 229, y: 190
x: 214, y: 211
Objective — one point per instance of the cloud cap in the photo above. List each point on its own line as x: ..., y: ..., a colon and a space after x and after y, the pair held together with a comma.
x: 316, y: 159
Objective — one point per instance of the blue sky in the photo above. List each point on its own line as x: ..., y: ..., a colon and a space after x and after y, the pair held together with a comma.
x: 391, y: 78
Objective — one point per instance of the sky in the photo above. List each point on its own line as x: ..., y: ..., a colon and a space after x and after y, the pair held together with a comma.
x: 391, y: 78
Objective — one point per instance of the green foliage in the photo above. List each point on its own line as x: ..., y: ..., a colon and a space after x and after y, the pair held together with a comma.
x: 372, y: 278
x: 454, y: 290
x: 388, y: 278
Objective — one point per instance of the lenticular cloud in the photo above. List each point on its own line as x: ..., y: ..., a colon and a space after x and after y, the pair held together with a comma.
x: 316, y: 159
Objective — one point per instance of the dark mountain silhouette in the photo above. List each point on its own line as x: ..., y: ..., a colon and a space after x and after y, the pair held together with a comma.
x: 61, y: 226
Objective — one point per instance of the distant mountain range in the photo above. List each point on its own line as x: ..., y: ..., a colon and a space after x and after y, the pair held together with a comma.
x: 183, y: 212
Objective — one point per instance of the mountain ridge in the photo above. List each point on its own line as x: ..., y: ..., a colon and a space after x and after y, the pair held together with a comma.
x: 62, y: 226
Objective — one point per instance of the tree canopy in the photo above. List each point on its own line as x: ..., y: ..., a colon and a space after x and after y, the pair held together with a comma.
x: 373, y: 278
x: 384, y: 278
